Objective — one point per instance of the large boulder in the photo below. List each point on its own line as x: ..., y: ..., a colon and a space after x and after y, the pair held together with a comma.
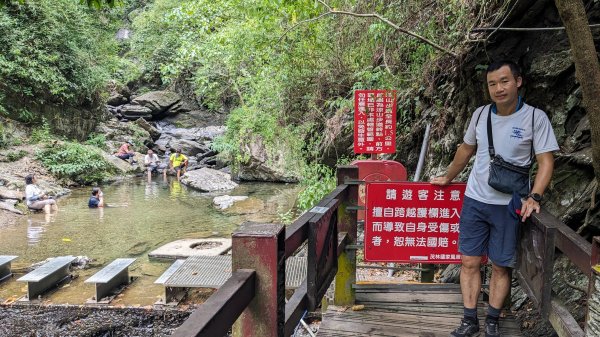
x: 6, y: 193
x: 197, y: 118
x: 121, y: 165
x: 208, y: 180
x: 189, y: 148
x: 142, y: 123
x: 158, y: 102
x: 117, y: 99
x: 262, y: 164
x: 134, y: 111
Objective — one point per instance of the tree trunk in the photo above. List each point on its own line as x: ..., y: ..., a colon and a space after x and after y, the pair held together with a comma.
x: 587, y: 68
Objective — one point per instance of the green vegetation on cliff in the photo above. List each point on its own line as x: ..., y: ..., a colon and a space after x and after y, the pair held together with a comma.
x: 53, y: 52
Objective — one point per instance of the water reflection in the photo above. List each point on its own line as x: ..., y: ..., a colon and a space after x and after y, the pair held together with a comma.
x: 36, y: 226
x: 177, y: 190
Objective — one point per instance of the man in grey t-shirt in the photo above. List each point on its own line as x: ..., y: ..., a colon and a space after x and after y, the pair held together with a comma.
x: 486, y: 226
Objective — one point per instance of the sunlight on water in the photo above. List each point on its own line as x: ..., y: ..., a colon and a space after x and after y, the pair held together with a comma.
x: 141, y: 217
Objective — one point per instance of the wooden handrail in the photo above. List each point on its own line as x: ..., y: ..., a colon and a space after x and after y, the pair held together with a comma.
x: 536, y: 280
x: 575, y: 247
x: 216, y: 316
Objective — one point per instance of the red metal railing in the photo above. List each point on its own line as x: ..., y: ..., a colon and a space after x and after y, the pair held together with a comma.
x: 253, y: 297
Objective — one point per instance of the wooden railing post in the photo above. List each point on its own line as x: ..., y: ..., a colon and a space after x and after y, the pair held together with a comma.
x: 346, y: 276
x: 261, y: 247
x: 593, y: 310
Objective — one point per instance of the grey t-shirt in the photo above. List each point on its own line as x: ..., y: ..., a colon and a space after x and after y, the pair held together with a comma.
x: 512, y: 140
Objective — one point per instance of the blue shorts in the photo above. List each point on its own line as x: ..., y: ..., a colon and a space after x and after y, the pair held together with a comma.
x: 488, y: 230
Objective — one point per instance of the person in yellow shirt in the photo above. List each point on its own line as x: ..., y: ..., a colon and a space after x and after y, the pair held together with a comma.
x: 178, y: 162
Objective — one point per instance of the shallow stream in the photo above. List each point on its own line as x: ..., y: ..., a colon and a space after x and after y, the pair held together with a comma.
x: 141, y: 217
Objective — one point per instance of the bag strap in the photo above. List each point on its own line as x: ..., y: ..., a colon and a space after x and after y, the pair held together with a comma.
x: 532, y: 135
x: 489, y: 133
x: 479, y: 116
x: 491, y: 138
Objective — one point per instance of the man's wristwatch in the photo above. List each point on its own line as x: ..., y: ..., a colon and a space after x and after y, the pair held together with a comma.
x: 535, y: 196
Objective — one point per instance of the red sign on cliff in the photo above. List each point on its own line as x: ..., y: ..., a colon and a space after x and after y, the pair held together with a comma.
x: 374, y: 121
x: 412, y: 222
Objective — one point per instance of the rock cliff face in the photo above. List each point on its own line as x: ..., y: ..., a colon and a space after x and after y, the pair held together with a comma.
x: 550, y: 85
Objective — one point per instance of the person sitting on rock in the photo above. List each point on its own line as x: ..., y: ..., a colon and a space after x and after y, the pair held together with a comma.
x: 125, y: 152
x: 36, y: 198
x: 178, y: 162
x: 96, y: 199
x: 153, y: 164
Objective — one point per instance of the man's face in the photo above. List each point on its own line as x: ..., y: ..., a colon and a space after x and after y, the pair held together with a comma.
x: 503, y: 86
x: 150, y: 152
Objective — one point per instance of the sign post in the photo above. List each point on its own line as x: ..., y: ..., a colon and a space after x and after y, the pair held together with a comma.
x: 412, y: 222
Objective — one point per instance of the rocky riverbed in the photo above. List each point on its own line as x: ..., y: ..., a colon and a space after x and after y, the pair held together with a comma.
x: 73, y: 321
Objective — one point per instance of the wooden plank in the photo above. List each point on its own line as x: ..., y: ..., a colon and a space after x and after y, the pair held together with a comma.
x: 563, y: 323
x: 377, y: 323
x: 416, y: 297
x: 403, y: 310
x: 404, y: 287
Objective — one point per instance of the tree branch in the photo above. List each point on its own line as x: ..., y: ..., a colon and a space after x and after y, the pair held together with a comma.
x: 300, y: 23
x: 398, y: 28
x: 331, y: 11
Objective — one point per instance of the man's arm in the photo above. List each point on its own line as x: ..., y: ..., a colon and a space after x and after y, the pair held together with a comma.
x: 460, y: 161
x: 542, y: 179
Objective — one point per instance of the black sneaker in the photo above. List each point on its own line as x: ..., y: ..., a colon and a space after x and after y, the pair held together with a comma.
x: 492, y: 329
x: 467, y: 328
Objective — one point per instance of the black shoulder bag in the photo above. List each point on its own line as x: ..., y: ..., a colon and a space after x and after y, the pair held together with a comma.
x: 504, y: 176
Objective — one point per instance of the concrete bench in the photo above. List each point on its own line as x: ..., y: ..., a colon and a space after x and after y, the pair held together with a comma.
x: 5, y: 261
x: 47, y: 275
x: 171, y: 294
x: 110, y: 277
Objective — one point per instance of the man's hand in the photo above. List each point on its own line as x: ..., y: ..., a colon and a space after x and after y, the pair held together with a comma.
x: 529, y: 206
x: 441, y: 181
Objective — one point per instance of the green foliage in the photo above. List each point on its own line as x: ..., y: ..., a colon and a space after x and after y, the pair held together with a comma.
x: 53, y: 52
x: 318, y: 180
x: 41, y: 134
x: 98, y: 140
x: 80, y: 163
x: 15, y: 155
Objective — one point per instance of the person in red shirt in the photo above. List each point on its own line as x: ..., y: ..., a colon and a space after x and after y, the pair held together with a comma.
x: 125, y: 152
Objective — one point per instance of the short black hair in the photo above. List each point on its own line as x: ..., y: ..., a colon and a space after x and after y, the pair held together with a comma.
x: 514, y: 67
x: 29, y: 179
x: 95, y: 190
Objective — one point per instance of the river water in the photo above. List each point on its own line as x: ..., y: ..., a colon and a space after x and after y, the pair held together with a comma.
x: 141, y: 217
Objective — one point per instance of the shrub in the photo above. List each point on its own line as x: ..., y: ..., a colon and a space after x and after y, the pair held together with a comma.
x: 16, y: 155
x: 318, y: 180
x: 41, y: 134
x: 80, y: 163
x: 97, y: 140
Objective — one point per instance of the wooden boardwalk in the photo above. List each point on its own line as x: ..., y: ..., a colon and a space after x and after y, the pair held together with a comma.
x: 405, y: 310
